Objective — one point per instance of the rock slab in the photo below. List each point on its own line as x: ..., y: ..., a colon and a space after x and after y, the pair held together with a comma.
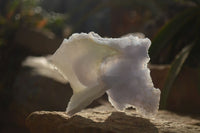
x: 105, y: 119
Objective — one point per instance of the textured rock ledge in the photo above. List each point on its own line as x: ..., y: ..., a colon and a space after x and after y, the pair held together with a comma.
x: 105, y: 119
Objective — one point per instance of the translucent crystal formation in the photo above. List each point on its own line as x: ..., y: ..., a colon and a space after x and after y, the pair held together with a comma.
x: 118, y: 66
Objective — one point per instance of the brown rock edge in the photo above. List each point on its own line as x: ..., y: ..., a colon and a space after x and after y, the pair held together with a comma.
x: 105, y: 119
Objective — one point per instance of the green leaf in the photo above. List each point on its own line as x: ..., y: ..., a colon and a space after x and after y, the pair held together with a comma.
x: 173, y: 73
x: 172, y: 32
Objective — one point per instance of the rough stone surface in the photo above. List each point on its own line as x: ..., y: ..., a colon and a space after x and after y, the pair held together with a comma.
x: 105, y: 119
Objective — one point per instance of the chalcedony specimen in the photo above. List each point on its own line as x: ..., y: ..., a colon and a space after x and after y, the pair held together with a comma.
x: 118, y: 66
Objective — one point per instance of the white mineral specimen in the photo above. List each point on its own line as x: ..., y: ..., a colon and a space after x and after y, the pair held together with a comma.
x: 117, y: 66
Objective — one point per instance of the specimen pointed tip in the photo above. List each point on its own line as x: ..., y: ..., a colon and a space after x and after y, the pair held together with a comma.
x: 70, y: 113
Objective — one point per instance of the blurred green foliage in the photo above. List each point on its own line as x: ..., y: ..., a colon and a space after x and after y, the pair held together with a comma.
x: 60, y: 16
x: 56, y: 22
x: 179, y: 38
x: 175, y: 69
x: 15, y: 14
x: 113, y: 17
x: 175, y: 35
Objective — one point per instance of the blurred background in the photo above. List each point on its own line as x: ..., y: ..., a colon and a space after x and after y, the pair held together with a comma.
x: 31, y: 29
